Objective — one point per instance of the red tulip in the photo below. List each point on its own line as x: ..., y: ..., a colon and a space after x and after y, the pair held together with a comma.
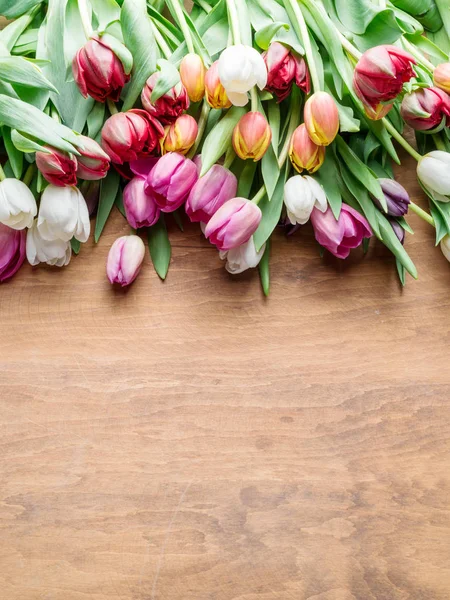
x: 285, y: 68
x: 170, y: 106
x: 425, y: 108
x: 93, y: 163
x: 58, y: 168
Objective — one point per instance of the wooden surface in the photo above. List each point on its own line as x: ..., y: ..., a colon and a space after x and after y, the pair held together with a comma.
x: 194, y: 441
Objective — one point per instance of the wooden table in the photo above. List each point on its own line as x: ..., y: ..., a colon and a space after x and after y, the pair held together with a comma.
x: 194, y: 441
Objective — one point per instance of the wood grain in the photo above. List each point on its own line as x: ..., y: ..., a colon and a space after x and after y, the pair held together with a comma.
x: 194, y: 441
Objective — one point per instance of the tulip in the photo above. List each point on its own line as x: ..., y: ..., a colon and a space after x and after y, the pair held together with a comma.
x: 63, y: 214
x: 375, y: 113
x: 301, y: 195
x: 56, y: 253
x: 340, y: 235
x: 216, y: 95
x: 433, y: 171
x: 125, y: 260
x: 380, y: 74
x: 441, y: 77
x: 252, y: 136
x: 170, y: 106
x: 321, y: 118
x: 397, y: 198
x: 171, y: 180
x: 304, y: 153
x: 425, y: 108
x: 93, y: 164
x: 131, y: 135
x: 285, y: 67
x: 398, y: 230
x: 192, y: 74
x: 233, y: 224
x: 181, y: 135
x: 140, y: 207
x: 240, y: 69
x: 243, y: 257
x: 12, y: 251
x: 98, y: 71
x: 58, y: 168
x: 445, y: 247
x: 17, y: 204
x: 209, y: 193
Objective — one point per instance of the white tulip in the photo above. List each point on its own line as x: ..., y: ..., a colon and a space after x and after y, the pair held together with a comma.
x: 55, y: 252
x: 17, y: 204
x: 433, y: 171
x: 243, y: 257
x: 445, y: 247
x: 240, y: 69
x: 301, y: 195
x: 63, y: 214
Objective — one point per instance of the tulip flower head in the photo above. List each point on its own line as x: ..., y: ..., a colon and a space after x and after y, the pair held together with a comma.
x: 321, y: 118
x: 170, y: 106
x: 301, y: 195
x: 304, y: 153
x: 17, y: 204
x: 285, y: 68
x: 99, y: 72
x: 243, y: 257
x: 425, y: 108
x: 380, y: 74
x: 433, y: 170
x: 240, y: 69
x: 375, y: 113
x: 93, y: 162
x: 12, y: 251
x: 216, y: 95
x: 58, y: 168
x: 131, y: 135
x: 441, y: 77
x: 125, y: 260
x: 445, y: 247
x: 398, y: 230
x: 181, y: 135
x: 252, y: 136
x: 56, y: 253
x: 140, y: 208
x: 171, y: 180
x: 63, y: 214
x: 397, y: 198
x: 233, y: 224
x: 192, y: 74
x: 340, y: 235
x: 209, y: 193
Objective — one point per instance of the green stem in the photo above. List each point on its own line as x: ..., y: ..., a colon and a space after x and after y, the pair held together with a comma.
x: 401, y: 140
x: 164, y: 46
x: 260, y: 195
x: 418, y: 55
x: 85, y: 18
x: 351, y: 49
x: 422, y: 214
x: 439, y: 142
x: 234, y: 21
x: 296, y: 109
x: 302, y: 31
x: 112, y: 107
x: 202, y: 122
x: 204, y: 5
x: 181, y: 20
x: 229, y: 157
x: 2, y: 174
x: 28, y: 177
x: 254, y: 99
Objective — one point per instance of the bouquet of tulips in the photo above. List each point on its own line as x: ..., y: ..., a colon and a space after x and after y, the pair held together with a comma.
x: 239, y: 115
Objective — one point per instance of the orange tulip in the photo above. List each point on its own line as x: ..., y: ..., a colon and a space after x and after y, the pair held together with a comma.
x: 252, y: 136
x: 304, y: 153
x: 192, y: 73
x: 215, y: 92
x: 181, y: 135
x: 441, y: 77
x: 321, y: 118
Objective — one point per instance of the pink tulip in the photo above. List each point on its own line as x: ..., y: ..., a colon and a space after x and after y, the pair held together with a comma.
x: 171, y: 180
x: 341, y: 235
x: 58, y: 168
x: 125, y: 260
x: 425, y: 108
x: 12, y: 251
x: 170, y: 106
x: 140, y: 207
x: 209, y: 193
x: 99, y: 72
x: 284, y: 68
x: 233, y: 224
x: 93, y: 164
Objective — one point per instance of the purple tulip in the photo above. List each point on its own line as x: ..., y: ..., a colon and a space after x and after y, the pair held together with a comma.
x: 397, y: 198
x: 209, y: 193
x: 171, y: 180
x: 398, y: 230
x: 125, y: 259
x: 341, y: 235
x: 140, y: 207
x: 12, y: 251
x: 233, y: 224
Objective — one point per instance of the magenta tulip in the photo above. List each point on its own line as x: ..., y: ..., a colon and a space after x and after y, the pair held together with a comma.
x: 58, y: 168
x: 285, y: 68
x: 341, y: 235
x: 209, y: 193
x: 12, y: 251
x: 425, y: 108
x: 171, y: 180
x: 233, y: 224
x: 140, y: 208
x: 125, y: 260
x: 93, y: 162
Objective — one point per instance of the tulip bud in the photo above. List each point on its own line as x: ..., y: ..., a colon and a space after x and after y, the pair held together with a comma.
x: 433, y: 171
x: 397, y: 198
x: 380, y: 74
x: 98, y: 71
x: 63, y: 214
x: 93, y: 164
x: 304, y: 153
x: 192, y: 74
x: 131, y: 135
x: 233, y: 224
x: 140, y: 207
x: 425, y: 108
x: 12, y: 251
x: 56, y: 253
x: 340, y: 235
x: 445, y: 247
x: 170, y: 106
x: 17, y: 204
x: 240, y: 69
x: 171, y: 180
x: 58, y: 168
x: 181, y: 135
x: 209, y: 193
x: 441, y: 77
x: 216, y: 95
x: 284, y: 68
x: 398, y: 230
x: 125, y: 260
x: 243, y: 257
x: 301, y: 195
x: 321, y: 118
x: 252, y: 136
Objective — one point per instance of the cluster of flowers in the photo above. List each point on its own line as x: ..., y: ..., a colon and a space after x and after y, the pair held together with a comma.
x: 188, y: 139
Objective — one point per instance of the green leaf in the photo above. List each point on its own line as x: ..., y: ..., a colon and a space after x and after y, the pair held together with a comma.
x: 119, y: 203
x: 263, y: 36
x: 105, y: 11
x: 270, y: 171
x: 219, y: 139
x: 391, y: 241
x: 160, y: 248
x: 108, y: 194
x: 16, y: 69
x: 120, y: 50
x: 401, y: 272
x: 362, y: 198
x: 428, y: 47
x: 444, y: 11
x: 27, y: 43
x: 327, y: 176
x: 96, y: 119
x: 264, y: 14
x: 76, y: 246
x: 347, y: 120
x: 245, y: 179
x: 168, y: 77
x: 25, y: 144
x: 15, y: 157
x: 274, y: 118
x: 380, y: 132
x: 404, y: 223
x: 271, y: 212
x: 178, y: 218
x: 264, y: 269
x: 12, y: 32
x: 14, y: 8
